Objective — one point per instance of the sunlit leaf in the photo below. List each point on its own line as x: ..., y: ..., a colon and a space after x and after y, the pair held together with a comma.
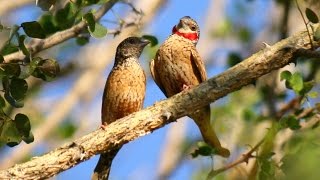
x: 99, y: 31
x: 313, y: 94
x: 296, y: 82
x: 33, y: 29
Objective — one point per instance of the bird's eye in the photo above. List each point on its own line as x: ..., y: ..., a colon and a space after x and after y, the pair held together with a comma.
x: 131, y: 41
x: 193, y: 28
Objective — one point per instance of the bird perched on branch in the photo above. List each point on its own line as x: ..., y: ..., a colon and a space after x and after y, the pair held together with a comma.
x: 178, y: 66
x: 124, y: 93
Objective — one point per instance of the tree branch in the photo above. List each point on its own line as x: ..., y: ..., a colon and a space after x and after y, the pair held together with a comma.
x: 59, y: 37
x: 154, y: 117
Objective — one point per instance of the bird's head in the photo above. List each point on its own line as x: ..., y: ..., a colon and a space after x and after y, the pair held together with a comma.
x: 187, y: 28
x: 131, y: 47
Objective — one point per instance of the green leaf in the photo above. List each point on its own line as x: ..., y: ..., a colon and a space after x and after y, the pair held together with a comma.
x: 293, y: 123
x: 9, y: 48
x: 1, y: 59
x: 317, y: 34
x: 18, y: 88
x: 9, y: 133
x: 22, y: 47
x: 99, y: 31
x: 90, y: 2
x: 89, y: 18
x: 66, y: 130
x: 296, y: 82
x: 234, y: 58
x: 48, y: 24
x: 153, y: 40
x: 312, y: 16
x: 28, y: 139
x: 313, y: 94
x: 2, y: 103
x: 307, y: 86
x: 82, y: 40
x: 12, y: 101
x: 203, y: 150
x: 23, y: 124
x: 66, y: 16
x: 33, y: 29
x: 46, y: 69
x: 9, y: 70
x: 45, y: 4
x: 285, y: 75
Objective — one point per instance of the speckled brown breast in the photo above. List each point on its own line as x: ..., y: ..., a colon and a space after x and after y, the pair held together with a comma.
x: 124, y: 91
x: 177, y: 63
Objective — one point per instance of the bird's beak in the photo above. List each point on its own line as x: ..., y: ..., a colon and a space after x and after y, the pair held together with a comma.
x: 144, y: 42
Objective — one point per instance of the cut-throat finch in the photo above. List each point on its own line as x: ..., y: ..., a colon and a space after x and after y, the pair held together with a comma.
x: 178, y: 66
x: 124, y: 94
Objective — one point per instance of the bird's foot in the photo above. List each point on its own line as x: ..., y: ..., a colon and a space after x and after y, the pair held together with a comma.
x: 103, y: 126
x: 186, y: 87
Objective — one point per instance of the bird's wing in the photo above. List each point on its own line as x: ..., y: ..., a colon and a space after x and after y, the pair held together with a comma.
x: 199, y: 63
x: 155, y: 77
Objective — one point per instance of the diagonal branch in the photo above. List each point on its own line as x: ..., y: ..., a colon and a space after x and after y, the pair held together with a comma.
x: 154, y: 117
x: 59, y: 37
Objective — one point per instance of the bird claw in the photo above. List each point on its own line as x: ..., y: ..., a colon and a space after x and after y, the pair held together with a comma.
x: 103, y: 126
x: 186, y: 87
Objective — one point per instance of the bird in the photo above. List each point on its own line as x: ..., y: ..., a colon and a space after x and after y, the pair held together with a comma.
x: 124, y: 93
x: 177, y: 67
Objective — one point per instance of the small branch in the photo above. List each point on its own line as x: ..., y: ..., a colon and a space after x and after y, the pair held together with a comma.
x: 59, y: 37
x: 305, y: 22
x: 244, y: 158
x: 293, y: 104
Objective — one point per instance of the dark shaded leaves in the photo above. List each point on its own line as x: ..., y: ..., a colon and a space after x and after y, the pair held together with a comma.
x: 22, y: 47
x: 153, y: 40
x: 312, y: 16
x: 45, y: 4
x: 46, y: 69
x: 89, y: 18
x: 33, y: 29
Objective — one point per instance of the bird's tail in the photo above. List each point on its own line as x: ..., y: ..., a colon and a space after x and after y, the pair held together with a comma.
x: 102, y: 169
x: 202, y: 119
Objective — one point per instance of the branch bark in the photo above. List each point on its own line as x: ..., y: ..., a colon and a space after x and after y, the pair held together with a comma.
x: 59, y: 37
x: 154, y: 117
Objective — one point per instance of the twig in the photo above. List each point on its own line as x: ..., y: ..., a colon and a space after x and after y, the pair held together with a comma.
x: 244, y: 158
x: 59, y: 37
x: 305, y: 22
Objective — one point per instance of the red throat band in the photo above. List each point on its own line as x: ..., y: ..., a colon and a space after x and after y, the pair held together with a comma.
x: 190, y: 36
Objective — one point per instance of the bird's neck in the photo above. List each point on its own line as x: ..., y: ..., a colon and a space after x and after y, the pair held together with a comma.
x: 191, y: 36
